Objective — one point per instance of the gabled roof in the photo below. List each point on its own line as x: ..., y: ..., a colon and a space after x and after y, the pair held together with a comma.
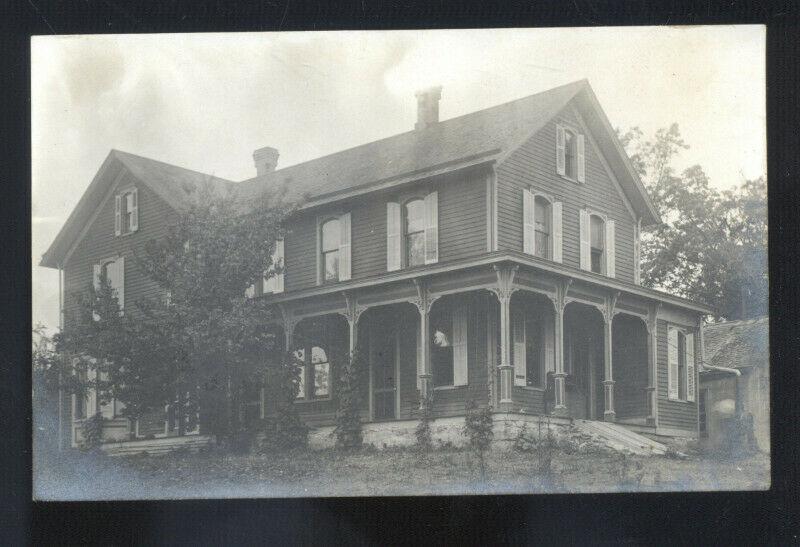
x: 737, y: 344
x: 488, y: 135
x: 175, y: 185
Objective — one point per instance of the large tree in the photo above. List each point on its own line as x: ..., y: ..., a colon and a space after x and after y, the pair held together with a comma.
x: 203, y: 339
x: 712, y: 245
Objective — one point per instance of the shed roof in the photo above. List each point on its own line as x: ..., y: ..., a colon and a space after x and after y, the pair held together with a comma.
x: 737, y: 344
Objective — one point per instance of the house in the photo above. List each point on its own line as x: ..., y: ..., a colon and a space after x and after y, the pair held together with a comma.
x: 734, y: 383
x: 493, y: 256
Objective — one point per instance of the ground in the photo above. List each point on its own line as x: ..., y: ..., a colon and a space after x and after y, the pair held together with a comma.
x: 371, y: 472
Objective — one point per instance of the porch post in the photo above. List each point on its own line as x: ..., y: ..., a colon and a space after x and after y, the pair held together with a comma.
x: 504, y: 290
x: 424, y: 376
x: 559, y: 389
x: 608, y: 382
x: 652, y: 376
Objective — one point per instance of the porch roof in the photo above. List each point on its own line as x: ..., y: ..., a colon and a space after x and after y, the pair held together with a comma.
x: 488, y: 259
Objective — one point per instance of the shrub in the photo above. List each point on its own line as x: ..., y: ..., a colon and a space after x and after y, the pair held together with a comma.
x: 284, y: 429
x: 92, y: 432
x: 348, y: 417
x: 423, y: 430
x: 626, y: 470
x: 479, y: 433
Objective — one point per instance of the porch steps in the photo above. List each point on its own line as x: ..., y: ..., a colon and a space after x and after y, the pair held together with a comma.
x: 158, y: 446
x: 619, y: 437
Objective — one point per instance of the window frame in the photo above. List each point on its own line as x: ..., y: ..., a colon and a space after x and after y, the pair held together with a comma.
x: 573, y: 140
x: 124, y: 213
x: 604, y: 219
x: 404, y: 258
x: 447, y: 310
x: 683, y: 368
x: 308, y: 373
x: 322, y: 253
x: 538, y: 197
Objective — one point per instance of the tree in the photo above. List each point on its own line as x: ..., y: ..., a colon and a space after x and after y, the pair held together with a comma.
x: 711, y: 245
x: 203, y: 339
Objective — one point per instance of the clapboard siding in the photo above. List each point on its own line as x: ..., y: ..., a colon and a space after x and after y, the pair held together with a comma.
x: 630, y: 368
x: 462, y: 228
x: 671, y: 414
x: 100, y: 243
x: 534, y: 165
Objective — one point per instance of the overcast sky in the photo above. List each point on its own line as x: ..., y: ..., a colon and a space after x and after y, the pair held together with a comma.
x: 206, y: 101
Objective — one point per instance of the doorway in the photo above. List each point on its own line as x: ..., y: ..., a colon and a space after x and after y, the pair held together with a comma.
x: 583, y: 362
x: 383, y: 342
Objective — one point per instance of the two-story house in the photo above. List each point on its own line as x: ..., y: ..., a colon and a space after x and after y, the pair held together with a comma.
x: 493, y: 256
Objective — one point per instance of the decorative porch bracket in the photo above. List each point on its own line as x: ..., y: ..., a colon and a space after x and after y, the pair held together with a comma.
x: 559, y: 388
x: 424, y: 301
x: 504, y: 290
x: 352, y: 313
x: 652, y: 364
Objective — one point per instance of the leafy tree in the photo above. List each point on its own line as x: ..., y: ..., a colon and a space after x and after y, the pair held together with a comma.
x: 711, y: 245
x: 203, y: 339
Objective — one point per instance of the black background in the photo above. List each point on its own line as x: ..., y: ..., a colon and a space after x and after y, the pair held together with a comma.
x: 762, y: 518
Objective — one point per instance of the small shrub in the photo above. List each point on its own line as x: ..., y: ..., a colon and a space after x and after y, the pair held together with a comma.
x: 348, y: 428
x: 479, y: 433
x: 627, y: 471
x: 284, y: 429
x: 423, y: 430
x: 544, y: 449
x: 92, y: 432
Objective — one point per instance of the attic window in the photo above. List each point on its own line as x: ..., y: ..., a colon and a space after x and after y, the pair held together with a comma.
x: 570, y: 157
x: 126, y: 212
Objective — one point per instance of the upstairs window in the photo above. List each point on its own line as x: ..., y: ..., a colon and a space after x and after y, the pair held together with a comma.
x: 126, y: 212
x: 597, y: 235
x: 570, y: 155
x: 331, y: 232
x: 111, y: 272
x: 542, y: 218
x: 415, y: 233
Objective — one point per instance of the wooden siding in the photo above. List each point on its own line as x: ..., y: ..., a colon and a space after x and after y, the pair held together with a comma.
x: 534, y: 165
x: 630, y: 367
x: 671, y: 414
x: 462, y: 228
x: 100, y: 243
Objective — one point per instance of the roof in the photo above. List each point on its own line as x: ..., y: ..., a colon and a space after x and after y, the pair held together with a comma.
x: 479, y: 137
x: 737, y: 344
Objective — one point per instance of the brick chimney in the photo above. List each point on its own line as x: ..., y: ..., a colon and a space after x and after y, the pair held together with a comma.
x: 428, y: 106
x: 266, y: 159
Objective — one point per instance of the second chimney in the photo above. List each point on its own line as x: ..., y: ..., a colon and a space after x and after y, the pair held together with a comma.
x: 266, y: 159
x: 428, y: 106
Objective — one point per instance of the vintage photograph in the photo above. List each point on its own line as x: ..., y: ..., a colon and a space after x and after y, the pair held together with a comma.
x: 381, y: 263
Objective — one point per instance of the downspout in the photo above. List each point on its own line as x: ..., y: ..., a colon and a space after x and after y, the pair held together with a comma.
x: 733, y: 371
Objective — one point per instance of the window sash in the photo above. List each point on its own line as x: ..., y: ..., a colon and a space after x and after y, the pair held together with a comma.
x: 415, y: 249
x: 330, y: 265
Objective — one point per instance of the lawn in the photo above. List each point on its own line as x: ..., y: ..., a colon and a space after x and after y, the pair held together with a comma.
x: 371, y: 472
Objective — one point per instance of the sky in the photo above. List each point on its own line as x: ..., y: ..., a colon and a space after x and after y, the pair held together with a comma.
x: 206, y: 101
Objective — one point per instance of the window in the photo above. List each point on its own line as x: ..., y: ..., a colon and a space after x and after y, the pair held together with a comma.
x: 570, y: 154
x: 317, y: 386
x: 542, y: 218
x: 126, y: 212
x: 330, y: 236
x: 414, y: 222
x: 113, y: 273
x: 597, y: 242
x: 681, y: 366
x: 442, y: 346
x: 528, y: 348
x: 681, y: 383
x: 534, y: 353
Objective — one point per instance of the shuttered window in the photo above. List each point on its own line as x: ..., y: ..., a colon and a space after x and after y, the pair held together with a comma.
x: 432, y: 228
x: 126, y: 212
x: 672, y: 363
x: 393, y: 237
x: 570, y: 154
x: 542, y: 230
x: 681, y: 366
x: 330, y: 238
x: 412, y: 232
x: 597, y: 244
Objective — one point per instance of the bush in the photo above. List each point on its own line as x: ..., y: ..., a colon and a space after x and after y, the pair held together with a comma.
x: 284, y: 429
x: 92, y: 432
x: 348, y: 417
x: 627, y: 471
x: 479, y: 432
x: 423, y: 430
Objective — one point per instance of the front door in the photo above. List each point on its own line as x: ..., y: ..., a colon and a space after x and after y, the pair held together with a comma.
x: 383, y: 359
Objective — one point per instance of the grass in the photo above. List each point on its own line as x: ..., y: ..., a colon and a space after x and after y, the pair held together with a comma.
x: 370, y: 472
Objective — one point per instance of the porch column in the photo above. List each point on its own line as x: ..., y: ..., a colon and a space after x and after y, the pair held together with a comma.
x: 506, y: 368
x: 652, y: 377
x: 424, y: 375
x: 560, y: 408
x: 608, y: 382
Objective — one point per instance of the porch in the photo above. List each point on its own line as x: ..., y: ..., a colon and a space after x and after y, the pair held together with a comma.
x: 511, y: 338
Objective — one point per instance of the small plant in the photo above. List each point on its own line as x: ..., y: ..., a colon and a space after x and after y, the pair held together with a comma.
x: 92, y: 433
x: 627, y: 471
x: 423, y: 430
x: 479, y: 433
x: 348, y: 428
x: 544, y: 450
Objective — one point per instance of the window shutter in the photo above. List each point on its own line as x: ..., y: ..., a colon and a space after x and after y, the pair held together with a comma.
x: 519, y: 350
x: 611, y: 258
x: 96, y: 276
x: 586, y: 261
x: 135, y: 210
x: 119, y: 280
x: 690, y: 367
x: 558, y: 238
x: 392, y: 236
x: 344, y: 248
x: 432, y: 228
x: 528, y: 226
x: 560, y: 160
x: 672, y: 363
x: 117, y: 215
x: 277, y: 261
x: 581, y: 161
x: 460, y: 353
